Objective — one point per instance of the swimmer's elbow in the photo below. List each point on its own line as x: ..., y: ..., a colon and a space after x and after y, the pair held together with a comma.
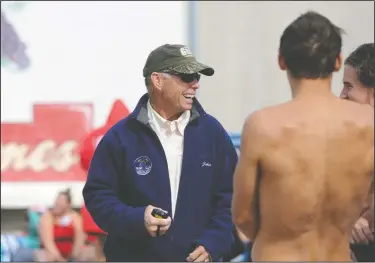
x: 240, y: 215
x: 247, y: 230
x: 245, y: 224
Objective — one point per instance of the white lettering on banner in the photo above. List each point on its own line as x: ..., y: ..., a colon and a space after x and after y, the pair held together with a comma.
x: 47, y: 154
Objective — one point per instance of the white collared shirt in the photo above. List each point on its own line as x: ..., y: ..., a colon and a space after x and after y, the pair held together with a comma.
x: 171, y: 136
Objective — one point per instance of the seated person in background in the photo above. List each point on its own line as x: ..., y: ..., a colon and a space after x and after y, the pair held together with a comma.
x: 61, y: 233
x: 10, y: 245
x: 33, y: 216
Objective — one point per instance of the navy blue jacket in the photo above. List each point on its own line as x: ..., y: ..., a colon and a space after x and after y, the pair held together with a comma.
x: 129, y: 171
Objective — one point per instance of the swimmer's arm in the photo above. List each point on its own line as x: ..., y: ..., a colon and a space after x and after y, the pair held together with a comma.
x: 79, y: 235
x: 45, y: 229
x: 244, y: 202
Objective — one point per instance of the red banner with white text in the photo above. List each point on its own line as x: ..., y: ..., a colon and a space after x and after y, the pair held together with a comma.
x: 47, y: 149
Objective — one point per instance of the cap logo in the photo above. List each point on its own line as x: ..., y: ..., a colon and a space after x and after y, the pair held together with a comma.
x: 185, y: 51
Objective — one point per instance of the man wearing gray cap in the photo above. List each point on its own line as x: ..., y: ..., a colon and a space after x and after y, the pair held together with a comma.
x: 160, y: 181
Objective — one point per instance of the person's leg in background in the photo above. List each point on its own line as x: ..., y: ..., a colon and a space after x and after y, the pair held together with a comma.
x: 100, y: 248
x: 41, y: 255
x: 93, y: 250
x: 88, y: 253
x: 24, y: 255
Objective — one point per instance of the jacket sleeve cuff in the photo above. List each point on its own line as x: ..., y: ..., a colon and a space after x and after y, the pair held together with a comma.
x: 208, y: 247
x: 136, y: 223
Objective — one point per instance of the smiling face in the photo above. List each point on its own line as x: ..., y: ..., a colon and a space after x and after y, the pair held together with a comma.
x: 354, y: 89
x: 179, y: 90
x: 175, y: 92
x: 359, y: 75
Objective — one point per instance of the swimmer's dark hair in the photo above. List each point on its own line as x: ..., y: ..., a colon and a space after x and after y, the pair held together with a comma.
x: 363, y: 61
x: 68, y: 195
x: 310, y: 46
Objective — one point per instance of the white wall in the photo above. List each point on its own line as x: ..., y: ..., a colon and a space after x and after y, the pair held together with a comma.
x: 240, y: 40
x: 82, y: 52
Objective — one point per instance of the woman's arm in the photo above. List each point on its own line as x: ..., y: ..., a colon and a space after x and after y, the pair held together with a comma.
x: 79, y: 235
x: 45, y: 229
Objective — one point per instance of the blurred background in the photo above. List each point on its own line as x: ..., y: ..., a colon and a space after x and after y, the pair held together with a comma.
x: 65, y: 64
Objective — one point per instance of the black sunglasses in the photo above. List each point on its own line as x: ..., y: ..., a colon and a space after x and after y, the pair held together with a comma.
x: 188, y: 78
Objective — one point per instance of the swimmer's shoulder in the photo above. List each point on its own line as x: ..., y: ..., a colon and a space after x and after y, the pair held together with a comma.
x: 361, y: 114
x: 254, y: 125
x: 262, y: 123
x: 268, y: 116
x: 256, y: 121
x: 366, y: 123
x: 359, y: 120
x: 367, y: 113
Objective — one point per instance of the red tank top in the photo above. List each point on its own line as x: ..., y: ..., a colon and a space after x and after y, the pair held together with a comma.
x: 63, y: 231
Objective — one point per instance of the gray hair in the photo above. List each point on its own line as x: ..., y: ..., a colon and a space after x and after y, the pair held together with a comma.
x: 148, y: 80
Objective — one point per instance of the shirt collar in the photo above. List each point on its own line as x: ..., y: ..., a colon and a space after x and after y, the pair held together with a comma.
x: 161, y: 123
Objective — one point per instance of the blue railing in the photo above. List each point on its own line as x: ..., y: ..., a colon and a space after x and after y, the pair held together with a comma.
x: 236, y: 139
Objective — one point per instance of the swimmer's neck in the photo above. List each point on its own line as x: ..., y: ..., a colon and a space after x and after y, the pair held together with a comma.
x: 306, y: 88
